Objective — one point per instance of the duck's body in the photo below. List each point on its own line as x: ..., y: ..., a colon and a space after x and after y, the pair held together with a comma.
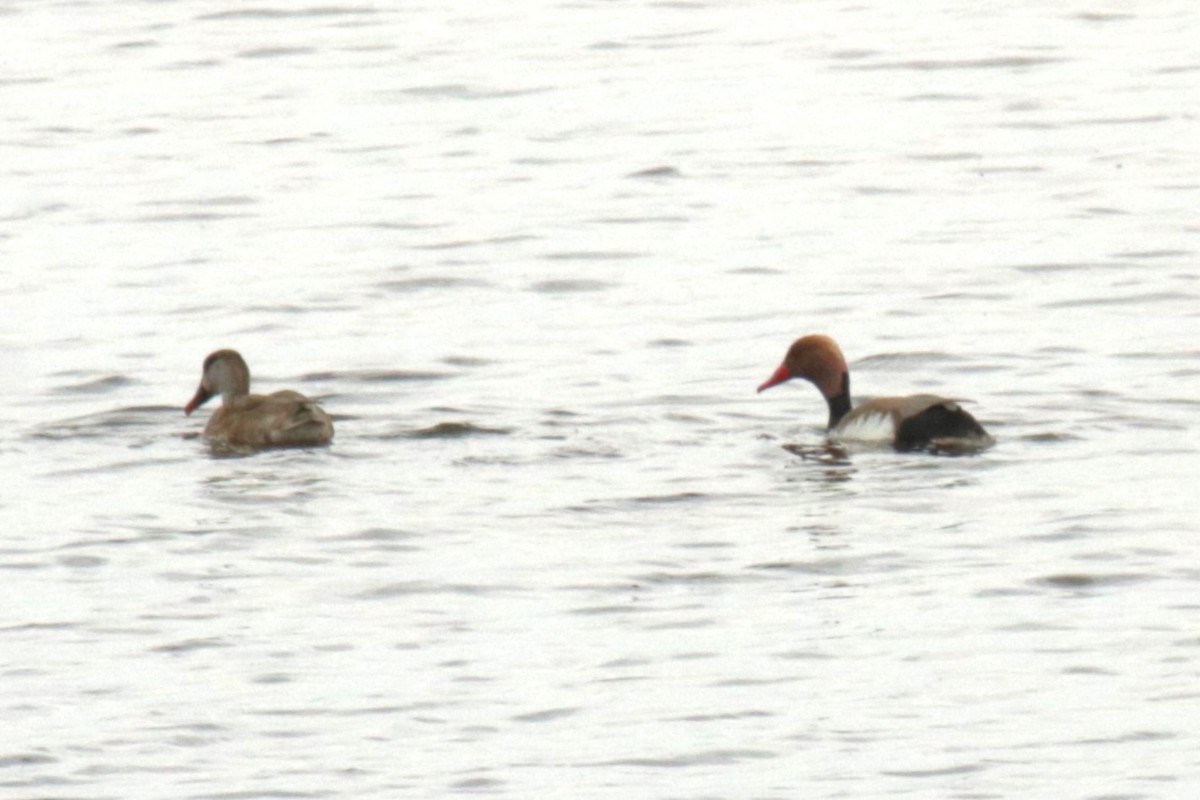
x: 913, y: 422
x: 279, y: 419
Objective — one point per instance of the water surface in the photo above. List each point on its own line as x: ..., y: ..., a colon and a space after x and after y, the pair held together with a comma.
x: 534, y: 259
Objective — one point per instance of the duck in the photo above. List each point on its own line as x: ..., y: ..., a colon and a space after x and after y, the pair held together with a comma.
x: 280, y: 419
x: 913, y: 422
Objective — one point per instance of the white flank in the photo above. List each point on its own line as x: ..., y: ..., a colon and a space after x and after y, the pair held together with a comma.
x: 872, y: 426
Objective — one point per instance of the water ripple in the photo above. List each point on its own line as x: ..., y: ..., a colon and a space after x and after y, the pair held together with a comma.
x: 699, y: 758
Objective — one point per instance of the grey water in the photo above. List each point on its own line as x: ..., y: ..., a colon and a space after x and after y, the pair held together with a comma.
x: 535, y: 257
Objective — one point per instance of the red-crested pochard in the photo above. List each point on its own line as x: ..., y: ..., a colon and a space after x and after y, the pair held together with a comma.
x: 283, y: 418
x: 915, y: 422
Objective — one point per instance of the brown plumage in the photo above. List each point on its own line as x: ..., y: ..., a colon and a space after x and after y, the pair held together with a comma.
x: 915, y: 422
x: 279, y: 419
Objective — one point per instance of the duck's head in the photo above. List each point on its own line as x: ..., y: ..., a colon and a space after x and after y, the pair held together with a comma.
x: 225, y: 373
x: 815, y: 358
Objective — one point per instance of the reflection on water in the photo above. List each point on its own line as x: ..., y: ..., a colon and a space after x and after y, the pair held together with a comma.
x: 263, y: 485
x: 827, y: 462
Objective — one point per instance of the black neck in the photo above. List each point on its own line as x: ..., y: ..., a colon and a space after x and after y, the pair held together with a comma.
x: 839, y: 404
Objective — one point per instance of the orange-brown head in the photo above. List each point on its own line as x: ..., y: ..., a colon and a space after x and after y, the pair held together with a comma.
x: 818, y: 359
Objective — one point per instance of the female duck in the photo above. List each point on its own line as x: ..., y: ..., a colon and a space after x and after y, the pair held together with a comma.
x: 915, y: 422
x: 283, y: 418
